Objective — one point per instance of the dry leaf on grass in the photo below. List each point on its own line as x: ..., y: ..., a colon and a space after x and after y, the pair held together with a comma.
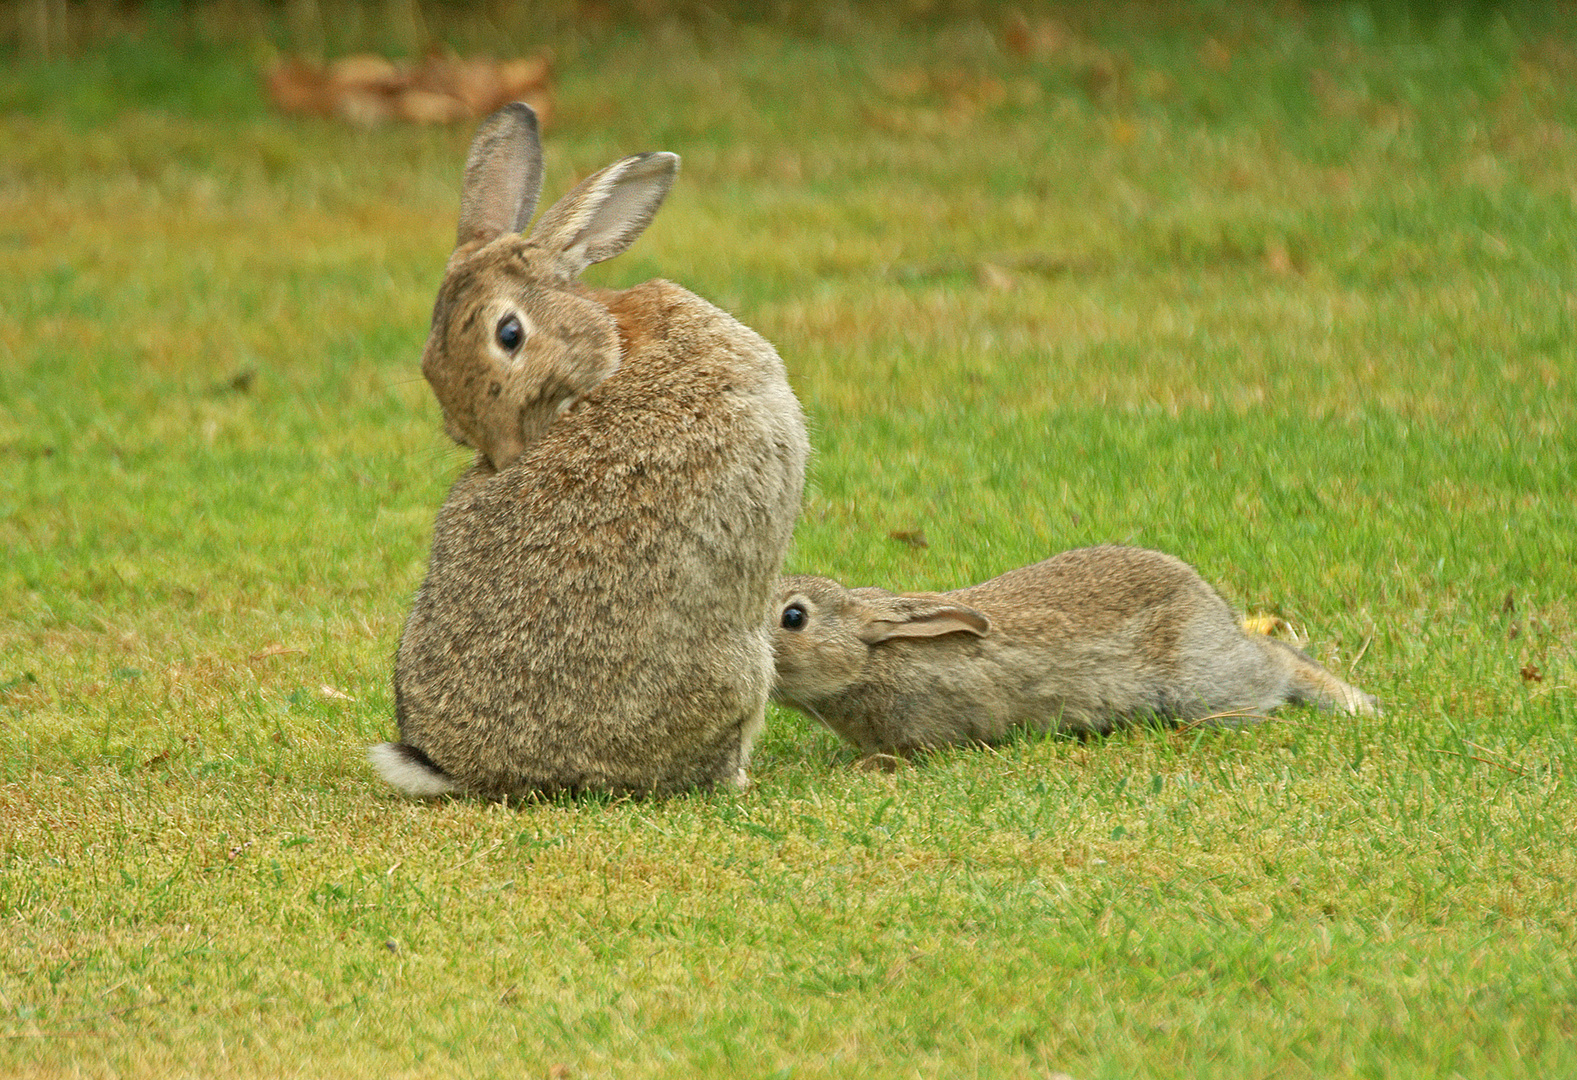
x: 444, y: 88
x: 1036, y: 40
x: 1267, y: 625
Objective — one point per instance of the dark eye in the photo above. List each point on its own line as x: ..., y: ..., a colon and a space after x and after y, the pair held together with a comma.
x: 510, y: 333
x: 794, y: 617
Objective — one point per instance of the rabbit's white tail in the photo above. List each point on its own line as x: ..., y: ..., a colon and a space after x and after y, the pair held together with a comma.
x: 410, y: 771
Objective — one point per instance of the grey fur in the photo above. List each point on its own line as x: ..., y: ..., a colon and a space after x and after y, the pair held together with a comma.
x: 596, y: 612
x: 1083, y: 641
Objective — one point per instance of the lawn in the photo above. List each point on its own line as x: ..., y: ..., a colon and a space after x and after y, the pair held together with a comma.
x: 1288, y: 291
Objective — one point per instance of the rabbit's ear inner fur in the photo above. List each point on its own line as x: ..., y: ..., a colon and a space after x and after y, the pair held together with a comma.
x: 503, y: 177
x: 919, y: 617
x: 606, y: 211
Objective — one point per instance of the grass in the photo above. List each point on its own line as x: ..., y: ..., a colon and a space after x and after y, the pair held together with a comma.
x: 1289, y: 293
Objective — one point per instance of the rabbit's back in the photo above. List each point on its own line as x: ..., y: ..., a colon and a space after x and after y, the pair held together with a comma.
x: 596, y: 614
x: 1112, y: 631
x: 1086, y: 591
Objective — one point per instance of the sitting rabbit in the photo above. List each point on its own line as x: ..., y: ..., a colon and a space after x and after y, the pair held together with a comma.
x: 597, y: 609
x: 1083, y: 641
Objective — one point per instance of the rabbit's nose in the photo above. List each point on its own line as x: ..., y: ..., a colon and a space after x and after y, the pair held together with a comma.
x: 503, y: 448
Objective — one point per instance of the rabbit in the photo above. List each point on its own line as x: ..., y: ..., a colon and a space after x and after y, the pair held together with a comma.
x: 596, y: 613
x: 1081, y: 642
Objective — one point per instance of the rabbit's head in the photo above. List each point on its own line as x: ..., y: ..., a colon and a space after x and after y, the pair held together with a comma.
x: 516, y: 339
x: 824, y: 633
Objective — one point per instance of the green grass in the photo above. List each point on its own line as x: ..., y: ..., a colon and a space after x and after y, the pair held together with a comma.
x: 1289, y: 293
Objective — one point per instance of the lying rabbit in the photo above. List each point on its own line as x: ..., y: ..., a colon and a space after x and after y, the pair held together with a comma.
x: 1084, y: 641
x: 597, y: 609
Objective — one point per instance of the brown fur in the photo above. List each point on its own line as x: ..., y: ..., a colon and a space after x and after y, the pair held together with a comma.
x: 1084, y: 641
x: 498, y: 401
x: 595, y: 615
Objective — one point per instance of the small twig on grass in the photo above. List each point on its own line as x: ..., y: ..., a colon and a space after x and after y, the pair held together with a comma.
x: 115, y: 1014
x: 1211, y: 720
x: 1546, y: 689
x: 479, y: 855
x: 1367, y: 641
x: 108, y: 1014
x: 1513, y: 769
x: 275, y: 650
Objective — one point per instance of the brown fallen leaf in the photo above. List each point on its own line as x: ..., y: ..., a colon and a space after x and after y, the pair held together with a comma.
x: 366, y: 71
x: 1531, y: 673
x: 522, y: 78
x: 363, y: 86
x: 481, y: 84
x: 297, y: 87
x: 416, y: 106
x: 368, y: 89
x: 1036, y: 40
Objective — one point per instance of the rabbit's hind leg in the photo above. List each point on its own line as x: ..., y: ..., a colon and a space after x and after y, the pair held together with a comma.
x: 1310, y: 683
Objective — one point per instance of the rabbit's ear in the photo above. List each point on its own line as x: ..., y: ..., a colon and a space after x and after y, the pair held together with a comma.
x: 503, y: 176
x: 606, y: 211
x: 917, y: 617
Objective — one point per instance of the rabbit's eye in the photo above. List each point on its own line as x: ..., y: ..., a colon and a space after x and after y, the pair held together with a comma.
x: 794, y: 617
x: 510, y: 333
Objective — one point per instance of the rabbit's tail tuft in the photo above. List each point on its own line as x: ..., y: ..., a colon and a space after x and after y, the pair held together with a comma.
x: 410, y: 771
